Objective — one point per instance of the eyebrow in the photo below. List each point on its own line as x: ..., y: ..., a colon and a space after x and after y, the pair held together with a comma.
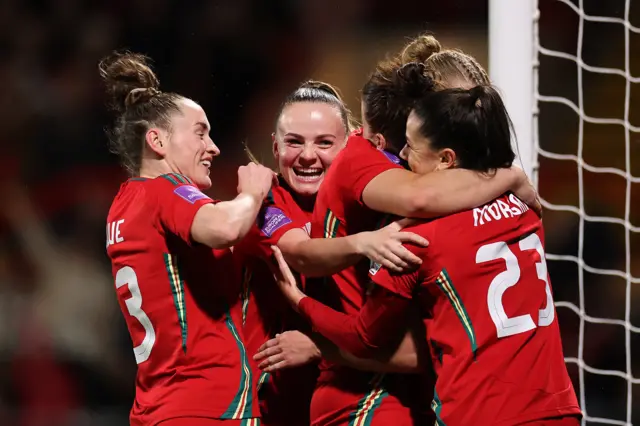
x: 323, y: 136
x: 203, y: 125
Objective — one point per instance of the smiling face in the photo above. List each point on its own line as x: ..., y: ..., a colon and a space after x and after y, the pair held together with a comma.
x: 190, y: 149
x: 308, y: 137
x: 419, y: 153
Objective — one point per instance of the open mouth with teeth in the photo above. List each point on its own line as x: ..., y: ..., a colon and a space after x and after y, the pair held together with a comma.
x: 308, y: 174
x: 207, y: 164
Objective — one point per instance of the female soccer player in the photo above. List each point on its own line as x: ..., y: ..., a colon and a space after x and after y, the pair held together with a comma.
x: 483, y: 286
x: 311, y: 129
x: 364, y: 180
x: 179, y: 297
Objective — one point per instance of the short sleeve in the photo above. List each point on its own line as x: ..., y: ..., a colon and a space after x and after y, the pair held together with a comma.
x: 273, y: 221
x: 370, y: 162
x: 178, y: 203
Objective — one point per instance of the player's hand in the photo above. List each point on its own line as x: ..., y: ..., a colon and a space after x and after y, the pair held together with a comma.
x: 385, y: 246
x: 285, y: 279
x: 524, y: 189
x: 255, y: 180
x: 286, y: 350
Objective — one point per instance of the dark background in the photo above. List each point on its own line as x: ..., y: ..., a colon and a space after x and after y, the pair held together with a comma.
x: 65, y: 355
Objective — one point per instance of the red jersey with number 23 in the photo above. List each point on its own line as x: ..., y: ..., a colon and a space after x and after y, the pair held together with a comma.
x: 180, y: 301
x: 490, y: 318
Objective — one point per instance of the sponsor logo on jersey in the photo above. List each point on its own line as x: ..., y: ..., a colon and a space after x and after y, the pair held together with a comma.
x: 190, y: 193
x: 274, y: 219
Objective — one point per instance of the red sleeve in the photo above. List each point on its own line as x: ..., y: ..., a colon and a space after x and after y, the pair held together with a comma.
x: 405, y: 285
x: 368, y: 164
x: 273, y: 223
x: 178, y: 203
x: 379, y: 322
x: 402, y: 285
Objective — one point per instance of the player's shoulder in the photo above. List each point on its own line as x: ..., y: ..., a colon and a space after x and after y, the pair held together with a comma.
x: 357, y: 145
x: 170, y: 180
x: 504, y: 218
x: 280, y: 195
x: 134, y: 192
x: 425, y: 229
x: 176, y: 184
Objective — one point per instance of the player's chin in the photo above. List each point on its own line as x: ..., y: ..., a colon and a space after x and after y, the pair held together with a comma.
x: 306, y: 189
x: 202, y: 181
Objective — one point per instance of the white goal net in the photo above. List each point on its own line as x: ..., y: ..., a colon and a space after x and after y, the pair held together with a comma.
x: 586, y: 161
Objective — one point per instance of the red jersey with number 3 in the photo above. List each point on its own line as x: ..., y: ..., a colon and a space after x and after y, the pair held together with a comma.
x: 180, y: 302
x: 490, y: 317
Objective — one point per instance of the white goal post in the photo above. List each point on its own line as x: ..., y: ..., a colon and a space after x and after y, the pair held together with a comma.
x: 511, y: 66
x: 515, y: 51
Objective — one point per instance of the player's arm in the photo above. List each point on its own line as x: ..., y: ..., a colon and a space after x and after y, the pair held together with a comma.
x: 294, y: 348
x: 224, y: 224
x: 380, y: 321
x: 193, y: 216
x: 404, y: 193
x: 315, y: 257
x: 377, y: 326
x: 403, y: 359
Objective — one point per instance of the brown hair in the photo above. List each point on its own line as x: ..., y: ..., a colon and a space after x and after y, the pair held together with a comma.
x: 386, y: 109
x: 133, y: 95
x: 320, y: 92
x: 474, y: 123
x: 314, y: 91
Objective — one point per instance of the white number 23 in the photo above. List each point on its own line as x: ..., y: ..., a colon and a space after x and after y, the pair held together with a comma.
x: 508, y: 326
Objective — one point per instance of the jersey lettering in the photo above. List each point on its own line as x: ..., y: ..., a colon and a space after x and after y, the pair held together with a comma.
x: 113, y: 232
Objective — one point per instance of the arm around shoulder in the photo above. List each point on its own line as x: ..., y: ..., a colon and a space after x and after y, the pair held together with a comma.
x: 436, y: 194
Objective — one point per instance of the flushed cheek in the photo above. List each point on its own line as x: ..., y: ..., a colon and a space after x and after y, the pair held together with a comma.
x: 326, y: 158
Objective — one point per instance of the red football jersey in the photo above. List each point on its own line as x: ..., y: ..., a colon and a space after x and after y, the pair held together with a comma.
x: 490, y: 318
x: 180, y: 302
x: 339, y: 211
x: 284, y: 395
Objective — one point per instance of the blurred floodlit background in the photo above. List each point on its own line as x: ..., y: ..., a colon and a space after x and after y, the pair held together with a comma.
x: 65, y: 354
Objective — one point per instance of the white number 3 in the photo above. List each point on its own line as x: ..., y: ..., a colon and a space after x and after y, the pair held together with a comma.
x: 128, y: 276
x: 519, y: 324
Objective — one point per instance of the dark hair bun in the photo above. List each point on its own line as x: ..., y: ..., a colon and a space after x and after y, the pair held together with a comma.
x: 128, y: 78
x: 420, y: 49
x: 413, y: 81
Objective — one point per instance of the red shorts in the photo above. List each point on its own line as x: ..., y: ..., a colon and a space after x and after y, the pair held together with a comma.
x: 204, y: 421
x: 342, y: 402
x: 556, y: 421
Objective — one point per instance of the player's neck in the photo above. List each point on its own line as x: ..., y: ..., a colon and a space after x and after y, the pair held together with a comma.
x: 305, y: 202
x: 153, y: 168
